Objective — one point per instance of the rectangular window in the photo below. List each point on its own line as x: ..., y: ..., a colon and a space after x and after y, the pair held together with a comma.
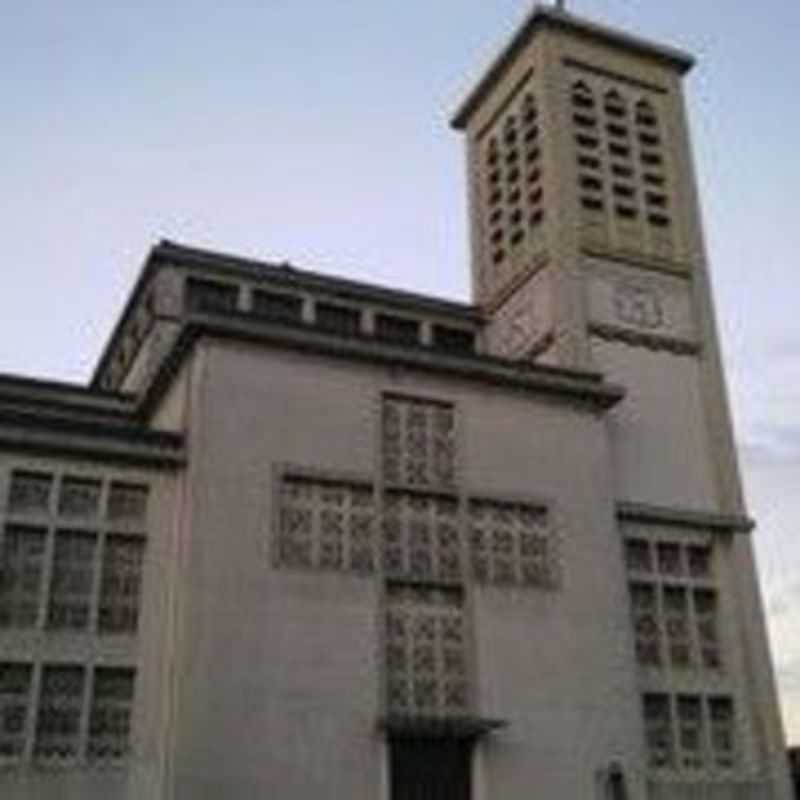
x: 110, y: 716
x: 658, y: 730
x: 399, y: 330
x: 421, y: 538
x: 205, y: 295
x: 512, y: 543
x: 338, y: 319
x: 700, y: 562
x: 127, y: 502
x: 29, y: 492
x: 58, y: 721
x: 690, y: 731
x: 705, y: 615
x: 675, y: 610
x: 676, y: 624
x: 418, y: 442
x: 327, y: 525
x: 278, y: 306
x: 120, y: 584
x: 426, y: 660
x: 15, y: 689
x: 453, y: 340
x: 638, y: 555
x: 71, y: 580
x: 79, y: 497
x: 21, y: 569
x: 723, y: 732
x: 645, y: 624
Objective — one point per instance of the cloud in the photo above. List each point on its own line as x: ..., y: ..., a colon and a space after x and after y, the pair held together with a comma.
x: 785, y: 348
x: 772, y: 445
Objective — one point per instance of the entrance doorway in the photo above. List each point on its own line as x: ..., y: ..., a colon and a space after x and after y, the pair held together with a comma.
x: 431, y: 769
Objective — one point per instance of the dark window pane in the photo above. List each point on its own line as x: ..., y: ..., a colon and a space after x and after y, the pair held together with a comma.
x: 79, y: 497
x: 21, y: 569
x: 278, y: 306
x: 120, y: 584
x: 338, y: 319
x: 110, y: 718
x: 30, y: 491
x: 453, y: 340
x: 397, y: 329
x: 71, y: 580
x: 15, y: 687
x: 59, y: 718
x: 127, y: 502
x: 202, y: 295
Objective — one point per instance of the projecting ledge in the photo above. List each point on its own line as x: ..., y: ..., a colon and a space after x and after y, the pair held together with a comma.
x: 433, y: 727
x: 687, y: 518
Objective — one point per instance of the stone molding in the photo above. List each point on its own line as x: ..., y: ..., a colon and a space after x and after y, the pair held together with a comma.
x: 651, y: 341
x: 684, y: 518
x: 585, y: 389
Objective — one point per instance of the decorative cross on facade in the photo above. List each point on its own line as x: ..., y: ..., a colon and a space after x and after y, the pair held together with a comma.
x: 417, y: 530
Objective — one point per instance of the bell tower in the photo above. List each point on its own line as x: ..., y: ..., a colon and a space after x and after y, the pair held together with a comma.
x: 588, y: 253
x: 577, y: 150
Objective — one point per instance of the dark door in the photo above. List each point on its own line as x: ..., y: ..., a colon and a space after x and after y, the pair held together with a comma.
x: 431, y: 769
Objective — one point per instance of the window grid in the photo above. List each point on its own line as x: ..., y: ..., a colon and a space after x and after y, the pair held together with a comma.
x: 690, y: 732
x: 51, y: 570
x: 59, y: 712
x: 421, y: 537
x: 418, y: 443
x: 22, y: 560
x: 426, y: 651
x: 511, y: 186
x: 110, y: 714
x: 15, y: 698
x: 621, y: 169
x: 512, y: 543
x: 326, y: 525
x: 127, y: 502
x: 79, y: 497
x: 120, y: 578
x: 29, y: 492
x: 71, y: 580
x: 65, y: 713
x: 674, y: 605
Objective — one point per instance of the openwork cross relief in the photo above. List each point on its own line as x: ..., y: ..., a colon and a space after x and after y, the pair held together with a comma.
x: 415, y: 528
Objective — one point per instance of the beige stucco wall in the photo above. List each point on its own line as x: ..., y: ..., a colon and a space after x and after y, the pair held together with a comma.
x: 278, y: 687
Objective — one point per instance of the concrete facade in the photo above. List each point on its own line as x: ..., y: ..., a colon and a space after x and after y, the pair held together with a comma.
x: 297, y: 526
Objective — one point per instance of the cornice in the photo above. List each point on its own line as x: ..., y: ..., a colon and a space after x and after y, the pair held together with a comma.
x: 300, y: 278
x: 649, y: 263
x: 547, y: 17
x: 650, y: 341
x: 686, y: 518
x: 56, y: 441
x: 586, y: 389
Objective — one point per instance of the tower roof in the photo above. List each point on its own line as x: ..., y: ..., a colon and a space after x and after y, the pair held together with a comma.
x: 542, y: 17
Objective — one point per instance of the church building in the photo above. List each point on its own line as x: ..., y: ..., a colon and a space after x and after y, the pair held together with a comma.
x: 303, y: 537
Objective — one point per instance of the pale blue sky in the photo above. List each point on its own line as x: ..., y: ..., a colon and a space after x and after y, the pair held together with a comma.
x: 317, y: 132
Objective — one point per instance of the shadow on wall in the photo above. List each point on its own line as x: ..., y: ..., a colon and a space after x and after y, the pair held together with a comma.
x: 794, y: 765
